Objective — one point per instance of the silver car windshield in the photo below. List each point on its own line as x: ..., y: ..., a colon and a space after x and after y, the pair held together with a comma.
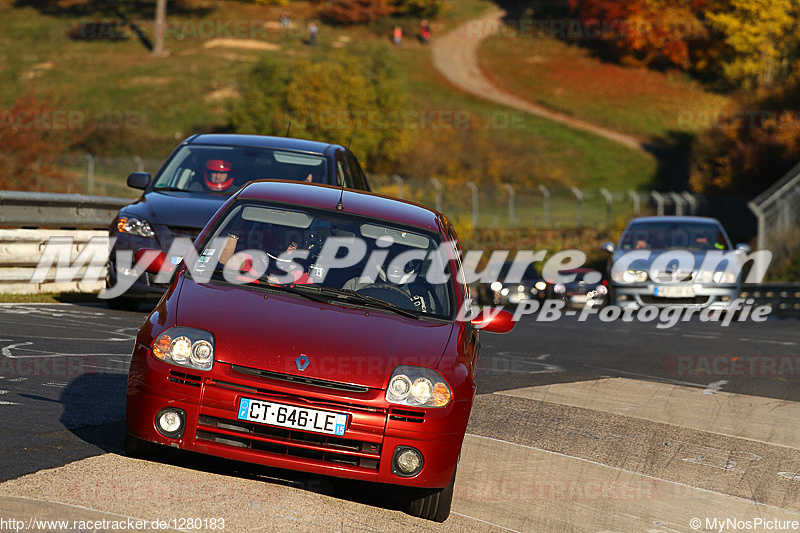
x: 666, y: 235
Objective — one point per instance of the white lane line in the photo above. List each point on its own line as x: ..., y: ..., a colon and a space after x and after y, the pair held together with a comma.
x: 618, y: 469
x: 42, y: 354
x: 715, y: 387
x: 791, y: 476
x: 696, y: 336
x: 484, y: 522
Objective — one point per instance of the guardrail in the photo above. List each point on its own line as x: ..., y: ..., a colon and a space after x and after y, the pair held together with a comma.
x: 58, y: 211
x: 783, y: 297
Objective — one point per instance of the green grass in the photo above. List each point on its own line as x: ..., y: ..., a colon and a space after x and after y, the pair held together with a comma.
x: 50, y: 298
x: 567, y: 78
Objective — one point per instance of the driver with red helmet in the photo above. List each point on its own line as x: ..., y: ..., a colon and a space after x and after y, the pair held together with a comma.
x: 216, y: 175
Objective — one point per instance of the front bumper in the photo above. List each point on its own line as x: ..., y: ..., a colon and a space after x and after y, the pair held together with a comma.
x: 636, y: 296
x: 365, y: 452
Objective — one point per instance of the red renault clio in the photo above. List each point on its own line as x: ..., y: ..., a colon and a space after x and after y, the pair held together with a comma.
x: 315, y: 329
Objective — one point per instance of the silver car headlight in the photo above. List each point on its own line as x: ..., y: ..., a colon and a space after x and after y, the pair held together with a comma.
x: 134, y: 226
x: 182, y: 346
x: 724, y: 277
x: 632, y: 276
x: 416, y: 386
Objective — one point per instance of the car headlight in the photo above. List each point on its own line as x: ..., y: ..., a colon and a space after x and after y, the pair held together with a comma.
x: 601, y: 290
x: 724, y: 277
x: 559, y: 288
x: 496, y: 286
x: 633, y: 276
x: 182, y: 346
x: 540, y: 285
x: 134, y: 226
x: 416, y: 386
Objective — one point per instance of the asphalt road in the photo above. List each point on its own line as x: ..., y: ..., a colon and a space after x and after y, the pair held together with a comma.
x: 578, y: 426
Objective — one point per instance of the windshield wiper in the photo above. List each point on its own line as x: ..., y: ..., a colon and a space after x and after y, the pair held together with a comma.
x: 373, y: 301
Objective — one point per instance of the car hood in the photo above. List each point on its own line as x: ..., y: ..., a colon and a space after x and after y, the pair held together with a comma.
x: 342, y: 344
x: 183, y: 209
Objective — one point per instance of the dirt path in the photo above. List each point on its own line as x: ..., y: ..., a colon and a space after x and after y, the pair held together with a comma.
x: 455, y: 55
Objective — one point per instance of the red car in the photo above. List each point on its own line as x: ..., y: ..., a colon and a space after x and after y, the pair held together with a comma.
x: 315, y: 329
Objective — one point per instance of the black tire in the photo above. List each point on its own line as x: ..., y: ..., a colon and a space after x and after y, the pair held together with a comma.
x: 432, y: 504
x: 142, y: 449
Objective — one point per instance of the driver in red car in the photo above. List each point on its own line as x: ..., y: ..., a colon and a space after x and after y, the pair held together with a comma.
x: 217, y: 174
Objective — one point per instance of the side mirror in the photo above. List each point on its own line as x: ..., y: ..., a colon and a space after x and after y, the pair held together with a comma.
x: 139, y: 180
x: 743, y: 247
x: 494, y: 321
x: 608, y: 246
x: 155, y: 264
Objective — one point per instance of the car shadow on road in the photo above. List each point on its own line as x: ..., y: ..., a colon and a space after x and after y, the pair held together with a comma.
x: 94, y: 411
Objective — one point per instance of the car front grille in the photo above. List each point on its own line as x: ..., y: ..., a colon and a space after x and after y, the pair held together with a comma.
x: 290, y: 378
x: 289, y: 442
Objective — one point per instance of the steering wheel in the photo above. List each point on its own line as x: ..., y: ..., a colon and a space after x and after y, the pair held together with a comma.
x: 388, y: 293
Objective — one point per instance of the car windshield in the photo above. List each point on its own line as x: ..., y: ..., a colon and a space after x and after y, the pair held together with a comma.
x: 193, y: 168
x: 665, y: 235
x: 333, y: 255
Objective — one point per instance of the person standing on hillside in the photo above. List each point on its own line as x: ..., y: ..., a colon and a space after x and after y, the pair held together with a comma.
x: 313, y: 33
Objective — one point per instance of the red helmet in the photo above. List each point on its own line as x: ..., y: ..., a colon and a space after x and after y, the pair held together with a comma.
x: 217, y: 166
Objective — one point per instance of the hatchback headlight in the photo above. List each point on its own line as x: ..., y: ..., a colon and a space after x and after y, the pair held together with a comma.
x: 416, y: 386
x: 182, y: 346
x: 134, y: 226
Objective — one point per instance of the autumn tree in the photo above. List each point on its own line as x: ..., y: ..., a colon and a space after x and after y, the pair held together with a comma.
x: 747, y: 148
x: 341, y: 100
x: 34, y: 132
x: 646, y: 32
x: 763, y: 37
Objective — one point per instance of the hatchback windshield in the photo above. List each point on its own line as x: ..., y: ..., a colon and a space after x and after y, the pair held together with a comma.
x: 329, y: 255
x: 224, y: 169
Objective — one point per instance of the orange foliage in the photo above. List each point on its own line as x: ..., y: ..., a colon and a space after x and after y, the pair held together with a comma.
x: 350, y: 12
x: 33, y: 134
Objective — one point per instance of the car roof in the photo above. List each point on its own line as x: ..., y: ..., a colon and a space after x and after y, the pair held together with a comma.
x: 676, y: 218
x: 353, y: 201
x: 263, y: 141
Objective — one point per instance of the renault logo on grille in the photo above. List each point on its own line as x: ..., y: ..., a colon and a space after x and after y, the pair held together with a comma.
x: 302, y: 362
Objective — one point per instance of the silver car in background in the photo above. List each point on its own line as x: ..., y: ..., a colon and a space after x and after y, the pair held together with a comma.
x: 675, y: 260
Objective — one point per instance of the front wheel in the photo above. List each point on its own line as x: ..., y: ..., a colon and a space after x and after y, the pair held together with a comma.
x: 432, y: 504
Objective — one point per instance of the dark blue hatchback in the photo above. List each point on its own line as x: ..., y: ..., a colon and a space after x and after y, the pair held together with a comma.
x: 194, y: 181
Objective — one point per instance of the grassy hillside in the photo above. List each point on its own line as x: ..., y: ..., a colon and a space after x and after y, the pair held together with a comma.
x: 568, y: 78
x: 147, y: 104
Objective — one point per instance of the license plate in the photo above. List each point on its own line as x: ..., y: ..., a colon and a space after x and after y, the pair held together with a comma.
x: 578, y: 299
x: 289, y: 416
x: 678, y: 291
